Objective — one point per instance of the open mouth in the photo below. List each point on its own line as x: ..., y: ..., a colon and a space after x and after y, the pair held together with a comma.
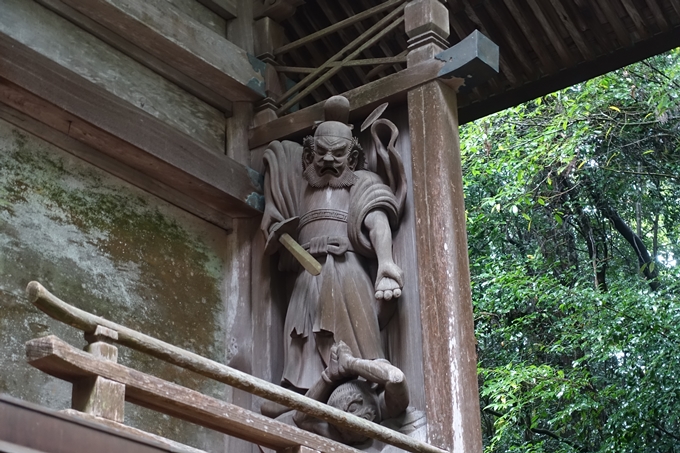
x: 330, y: 171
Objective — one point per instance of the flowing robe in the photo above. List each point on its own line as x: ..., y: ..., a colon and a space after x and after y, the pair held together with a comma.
x: 339, y: 304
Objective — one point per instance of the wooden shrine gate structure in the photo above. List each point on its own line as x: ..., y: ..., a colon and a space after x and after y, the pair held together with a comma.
x: 130, y: 85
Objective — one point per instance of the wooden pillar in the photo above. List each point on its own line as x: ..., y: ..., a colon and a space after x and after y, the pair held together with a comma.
x: 99, y: 396
x: 450, y: 361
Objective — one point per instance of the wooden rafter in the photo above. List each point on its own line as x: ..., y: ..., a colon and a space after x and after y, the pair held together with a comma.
x: 313, y: 80
x: 363, y: 62
x: 338, y: 26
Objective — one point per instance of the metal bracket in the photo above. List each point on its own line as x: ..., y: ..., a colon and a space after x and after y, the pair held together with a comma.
x: 474, y: 59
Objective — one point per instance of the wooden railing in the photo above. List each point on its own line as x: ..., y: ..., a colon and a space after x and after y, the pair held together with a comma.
x: 101, y: 386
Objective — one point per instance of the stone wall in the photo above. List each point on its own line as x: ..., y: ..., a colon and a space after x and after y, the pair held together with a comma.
x: 116, y: 251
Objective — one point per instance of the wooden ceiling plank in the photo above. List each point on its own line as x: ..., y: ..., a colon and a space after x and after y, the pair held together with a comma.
x: 381, y: 25
x: 588, y: 13
x: 518, y: 49
x: 345, y: 37
x: 224, y: 8
x: 338, y: 26
x: 316, y: 55
x: 505, y: 66
x: 658, y: 15
x: 157, y: 65
x: 530, y: 34
x: 555, y: 40
x: 347, y: 9
x: 383, y: 44
x: 634, y: 14
x: 182, y: 42
x: 615, y: 21
x: 676, y: 6
x: 573, y: 30
x: 359, y: 41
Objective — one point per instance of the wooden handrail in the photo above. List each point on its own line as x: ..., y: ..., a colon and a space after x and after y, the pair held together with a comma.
x: 87, y: 322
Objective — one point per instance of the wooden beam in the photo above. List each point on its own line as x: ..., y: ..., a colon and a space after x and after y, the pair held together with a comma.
x: 183, y: 43
x: 133, y: 51
x: 51, y: 94
x: 173, y: 446
x: 361, y: 100
x: 530, y: 35
x: 617, y: 24
x: 88, y: 322
x: 658, y: 15
x: 573, y: 30
x: 297, y: 97
x: 634, y: 14
x: 362, y: 62
x: 224, y: 8
x: 59, y: 359
x: 279, y: 10
x: 360, y: 41
x: 338, y: 26
x: 109, y: 164
x: 555, y: 39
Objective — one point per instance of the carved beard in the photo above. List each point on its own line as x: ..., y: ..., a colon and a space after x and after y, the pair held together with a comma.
x: 346, y: 179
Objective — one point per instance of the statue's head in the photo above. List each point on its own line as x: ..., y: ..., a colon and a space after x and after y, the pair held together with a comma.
x: 357, y: 398
x: 333, y: 153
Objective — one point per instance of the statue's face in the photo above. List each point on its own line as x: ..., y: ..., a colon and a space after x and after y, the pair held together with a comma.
x: 331, y: 156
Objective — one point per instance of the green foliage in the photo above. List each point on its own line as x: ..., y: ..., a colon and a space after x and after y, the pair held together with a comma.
x: 574, y: 227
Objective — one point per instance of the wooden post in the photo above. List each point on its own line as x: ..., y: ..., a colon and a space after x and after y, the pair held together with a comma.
x: 450, y: 361
x: 99, y: 396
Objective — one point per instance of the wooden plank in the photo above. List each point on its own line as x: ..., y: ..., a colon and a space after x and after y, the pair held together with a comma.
x: 29, y: 428
x: 573, y: 30
x: 202, y: 14
x: 224, y: 8
x: 338, y: 26
x: 634, y: 14
x: 181, y: 42
x: 658, y: 15
x: 141, y: 56
x: 88, y: 322
x: 175, y: 447
x: 322, y: 78
x: 46, y: 91
x: 310, y: 79
x: 362, y: 62
x: 504, y: 25
x: 361, y: 100
x: 107, y: 163
x: 676, y: 6
x: 615, y: 21
x: 86, y: 57
x: 530, y: 34
x: 555, y: 40
x: 59, y: 359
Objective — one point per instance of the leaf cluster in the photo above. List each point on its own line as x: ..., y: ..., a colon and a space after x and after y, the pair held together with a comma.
x: 573, y: 222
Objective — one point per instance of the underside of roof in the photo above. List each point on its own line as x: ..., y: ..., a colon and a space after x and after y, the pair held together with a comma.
x: 545, y: 45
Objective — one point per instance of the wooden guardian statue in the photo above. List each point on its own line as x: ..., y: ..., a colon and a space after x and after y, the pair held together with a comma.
x: 321, y: 195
